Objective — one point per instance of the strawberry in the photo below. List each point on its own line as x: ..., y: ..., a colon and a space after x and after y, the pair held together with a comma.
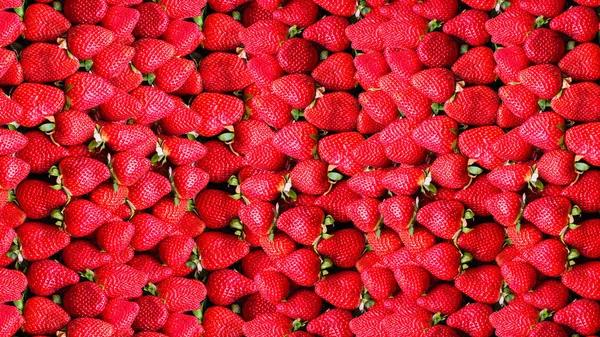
x: 444, y: 217
x: 410, y: 27
x: 173, y: 74
x: 44, y: 62
x: 227, y: 286
x: 34, y: 113
x: 543, y: 328
x: 476, y: 144
x: 588, y: 313
x: 437, y: 49
x: 302, y: 266
x: 211, y: 247
x: 182, y: 325
x: 548, y: 10
x: 407, y: 181
x: 544, y: 130
x: 337, y: 200
x: 12, y: 320
x: 581, y: 279
x: 181, y: 151
x: 42, y: 316
x: 120, y: 314
x: 303, y: 304
x: 369, y: 323
x: 11, y: 111
x: 384, y: 242
x: 368, y: 183
x: 343, y: 248
x: 222, y: 72
x: 474, y: 106
x: 12, y: 28
x: 184, y: 36
x: 335, y: 322
x: 526, y: 236
x: 472, y: 319
x: 544, y: 80
x: 263, y: 37
x: 175, y: 250
x: 410, y: 320
x: 310, y: 176
x: 342, y: 8
x: 469, y: 26
x: 44, y: 23
x: 435, y: 83
x: 441, y: 260
x: 297, y: 55
x: 80, y: 175
x: 85, y: 299
x: 549, y: 257
x: 85, y: 41
x: 483, y: 283
x: 513, y: 177
x: 337, y: 150
x: 296, y: 140
x: 519, y: 100
x: 81, y: 255
x: 577, y: 22
x: 81, y: 217
x: 181, y: 294
x: 13, y: 75
x: 151, y: 266
x: 303, y: 91
x: 217, y: 208
x: 149, y: 231
x: 85, y: 91
x: 38, y: 199
x: 580, y: 62
x: 120, y: 280
x: 379, y: 282
x: 443, y: 298
x: 268, y: 324
x: 550, y: 214
x: 437, y: 134
x: 512, y: 147
x: 40, y: 241
x: 327, y: 32
x: 582, y: 191
x: 156, y: 104
x: 152, y: 315
x: 506, y: 208
x: 46, y: 277
x: 272, y: 285
x: 509, y: 62
x: 264, y: 69
x: 221, y: 32
x: 514, y: 319
x: 303, y: 224
x: 369, y: 68
x: 450, y: 170
x: 511, y: 27
x: 218, y: 319
x: 13, y: 284
x: 553, y: 50
x: 519, y: 276
x: 473, y: 242
x: 363, y: 34
x: 403, y: 62
x: 114, y: 236
x: 151, y: 54
x: 14, y: 170
x: 121, y: 21
x: 127, y: 168
x: 150, y: 188
x: 320, y: 115
x: 230, y: 110
x: 577, y: 140
x: 364, y: 214
x: 153, y: 21
x: 436, y: 9
x: 481, y: 60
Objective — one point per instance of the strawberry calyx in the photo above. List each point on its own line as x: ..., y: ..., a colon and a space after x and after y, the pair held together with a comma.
x: 505, y: 295
x: 293, y: 31
x: 325, y: 264
x: 55, y: 172
x: 362, y: 9
x: 365, y: 301
x: 88, y: 274
x: 465, y: 259
x: 15, y: 253
x: 544, y: 103
x: 98, y: 141
x: 544, y: 315
x: 437, y: 318
x: 427, y: 185
x: 161, y: 154
x: 149, y: 78
x: 517, y: 221
x: 541, y: 21
x: 433, y: 25
x: 533, y: 181
x: 150, y: 288
x: 297, y: 324
x: 327, y: 221
x: 573, y: 254
x: 194, y: 260
x: 48, y: 128
x: 411, y: 223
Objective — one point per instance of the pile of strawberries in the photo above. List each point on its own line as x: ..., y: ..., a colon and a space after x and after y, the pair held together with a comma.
x: 298, y: 168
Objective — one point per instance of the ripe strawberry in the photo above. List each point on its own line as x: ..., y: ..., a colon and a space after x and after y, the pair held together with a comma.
x: 476, y: 144
x: 42, y: 316
x: 153, y: 21
x: 441, y: 260
x: 272, y: 285
x: 297, y: 140
x: 13, y: 75
x: 444, y: 218
x: 151, y: 266
x: 328, y: 32
x: 120, y: 280
x: 39, y: 241
x: 182, y: 325
x: 263, y: 37
x: 512, y: 147
x: 297, y: 90
x: 581, y: 279
x: 484, y: 241
x: 184, y: 36
x: 415, y: 106
x: 221, y: 32
x: 344, y: 248
x: 85, y: 90
x: 302, y: 266
x: 303, y: 304
x: 582, y: 191
x: 519, y: 100
x: 525, y: 236
x: 121, y: 21
x: 587, y: 313
x: 511, y: 27
x: 151, y: 54
x: 553, y: 50
x: 85, y: 299
x: 44, y: 23
x: 321, y: 114
x: 80, y: 175
x: 385, y: 242
x: 549, y: 9
x: 268, y: 324
x: 437, y: 10
x: 550, y: 214
x: 519, y: 276
x: 46, y: 277
x: 114, y: 236
x: 469, y: 26
x: 148, y: 190
x: 227, y: 286
x: 12, y: 320
x: 14, y: 170
x: 81, y: 217
x: 410, y: 29
x: 476, y: 105
x: 472, y: 319
x: 476, y: 66
x: 516, y: 319
x: 363, y: 34
x: 580, y: 62
x: 38, y: 199
x: 81, y: 255
x: 410, y: 320
x: 222, y: 72
x: 437, y: 134
x: 303, y: 224
x: 435, y: 83
x: 578, y: 139
x: 297, y: 55
x: 549, y: 257
x: 120, y: 314
x: 544, y: 80
x: 544, y: 131
x: 369, y: 68
x: 335, y: 322
x: 33, y: 113
x: 509, y: 62
x: 483, y: 283
x: 264, y: 69
x: 212, y: 247
x: 577, y: 22
x: 437, y: 49
x: 216, y: 208
x: 369, y: 323
x: 217, y: 319
x: 443, y: 298
x: 44, y: 62
x: 85, y: 41
x: 152, y: 316
x: 13, y: 284
x: 379, y: 282
x: 181, y: 294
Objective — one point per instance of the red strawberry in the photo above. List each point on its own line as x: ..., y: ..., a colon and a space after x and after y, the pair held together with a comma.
x: 444, y: 217
x: 80, y: 175
x: 81, y: 255
x: 263, y: 37
x: 583, y: 190
x: 549, y: 9
x: 85, y: 299
x: 13, y: 284
x: 437, y: 134
x: 38, y: 199
x: 120, y: 314
x: 14, y: 170
x: 151, y: 54
x: 217, y: 319
x: 578, y: 139
x: 437, y: 49
x: 85, y: 41
x: 384, y: 242
x: 303, y: 304
x: 369, y: 323
x: 182, y: 325
x: 476, y: 66
x: 328, y: 32
x: 510, y: 27
x: 364, y: 36
x: 335, y: 322
x: 410, y: 29
x: 550, y: 214
x: 553, y: 48
x: 343, y: 248
x: 221, y: 32
x: 514, y: 319
x: 153, y: 21
x: 272, y: 285
x: 441, y: 260
x: 44, y: 62
x: 404, y: 62
x: 148, y: 190
x: 369, y: 68
x: 509, y: 62
x: 44, y: 23
x: 227, y: 286
x: 12, y: 320
x: 222, y: 72
x: 149, y: 231
x: 472, y: 319
x: 120, y: 280
x: 443, y: 298
x: 544, y: 80
x: 268, y: 324
x: 302, y: 267
x: 435, y: 83
x: 121, y: 21
x: 410, y: 320
x: 264, y: 69
x: 34, y: 113
x: 506, y: 208
x: 379, y: 282
x: 297, y: 55
x: 81, y: 217
x: 342, y: 8
x: 484, y: 241
x: 587, y: 313
x: 474, y: 106
x: 151, y: 266
x: 39, y: 241
x: 85, y: 91
x: 549, y: 257
x: 577, y: 22
x: 581, y: 279
x: 476, y: 144
x: 42, y: 316
x: 296, y: 140
x: 297, y: 90
x: 152, y: 316
x: 216, y: 208
x: 482, y: 283
x: 219, y: 250
x: 114, y: 236
x: 436, y: 9
x: 512, y: 147
x: 184, y: 36
x: 579, y: 63
x: 321, y: 114
x: 544, y: 131
x: 519, y: 276
x: 181, y: 294
x: 469, y: 26
x: 513, y: 177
